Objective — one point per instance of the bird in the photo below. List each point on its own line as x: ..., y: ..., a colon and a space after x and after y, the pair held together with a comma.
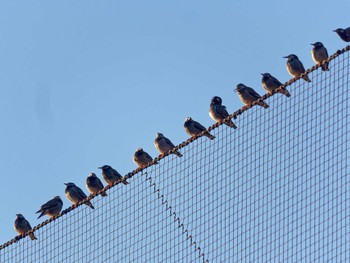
x: 319, y: 54
x: 76, y: 195
x: 270, y: 84
x: 51, y: 208
x: 295, y: 67
x: 22, y: 226
x: 249, y: 95
x: 218, y: 112
x: 142, y: 158
x: 163, y: 144
x: 343, y: 33
x: 110, y: 175
x: 194, y: 128
x: 93, y: 184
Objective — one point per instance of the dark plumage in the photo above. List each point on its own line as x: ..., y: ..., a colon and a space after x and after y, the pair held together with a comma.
x: 163, y: 144
x: 142, y: 158
x: 295, y: 67
x: 343, y: 33
x: 110, y: 175
x: 51, y: 208
x: 270, y: 84
x: 22, y: 226
x: 218, y: 112
x: 319, y: 54
x: 194, y: 128
x: 94, y: 184
x: 249, y: 95
x: 76, y: 195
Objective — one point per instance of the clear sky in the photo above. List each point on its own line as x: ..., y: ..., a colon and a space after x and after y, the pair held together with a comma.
x: 85, y: 83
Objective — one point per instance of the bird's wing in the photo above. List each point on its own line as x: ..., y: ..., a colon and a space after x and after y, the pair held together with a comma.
x: 253, y: 93
x: 300, y: 65
x: 167, y: 141
x: 115, y: 172
x: 49, y: 204
x: 80, y: 192
x: 99, y: 183
x: 198, y: 126
x: 325, y: 51
x: 276, y: 81
x: 148, y: 156
x: 220, y: 109
x: 27, y: 224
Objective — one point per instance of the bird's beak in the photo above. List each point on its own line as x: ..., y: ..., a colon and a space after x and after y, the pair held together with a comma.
x: 99, y: 167
x: 262, y: 74
x: 312, y: 44
x: 286, y: 57
x: 334, y: 30
x: 65, y: 183
x: 16, y: 214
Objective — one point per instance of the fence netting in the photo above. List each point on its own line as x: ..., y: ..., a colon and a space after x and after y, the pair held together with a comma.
x: 277, y: 189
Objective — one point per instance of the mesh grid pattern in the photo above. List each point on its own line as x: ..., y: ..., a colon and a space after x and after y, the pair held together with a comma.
x: 277, y: 189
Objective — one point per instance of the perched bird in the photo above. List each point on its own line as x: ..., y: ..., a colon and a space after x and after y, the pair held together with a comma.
x: 142, y: 158
x: 343, y: 33
x: 22, y: 226
x: 110, y: 175
x: 163, y: 144
x: 249, y: 95
x: 218, y: 112
x: 51, y: 208
x: 93, y: 184
x: 270, y: 83
x: 319, y: 54
x: 194, y: 128
x: 76, y: 195
x: 295, y: 67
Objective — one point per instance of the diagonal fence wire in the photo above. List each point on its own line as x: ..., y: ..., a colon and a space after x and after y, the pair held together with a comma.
x: 274, y: 189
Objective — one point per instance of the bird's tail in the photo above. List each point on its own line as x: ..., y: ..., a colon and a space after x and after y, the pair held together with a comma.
x: 325, y: 66
x: 125, y: 182
x: 231, y: 124
x: 285, y: 92
x: 263, y: 104
x: 211, y: 137
x: 178, y: 153
x: 306, y: 78
x: 42, y: 214
x: 103, y: 193
x: 32, y: 237
x: 90, y: 205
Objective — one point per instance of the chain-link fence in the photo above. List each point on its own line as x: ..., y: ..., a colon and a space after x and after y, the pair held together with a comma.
x: 277, y: 189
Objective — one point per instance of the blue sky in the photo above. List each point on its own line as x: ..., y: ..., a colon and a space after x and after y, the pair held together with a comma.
x: 85, y: 83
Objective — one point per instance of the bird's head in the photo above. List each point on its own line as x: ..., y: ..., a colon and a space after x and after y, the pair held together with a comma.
x: 291, y: 56
x: 188, y: 119
x: 216, y: 100
x: 105, y: 167
x: 69, y: 184
x: 240, y: 87
x: 57, y: 198
x: 138, y: 150
x: 159, y: 134
x: 266, y: 75
x: 339, y: 30
x: 317, y: 44
x: 92, y: 175
x: 19, y: 215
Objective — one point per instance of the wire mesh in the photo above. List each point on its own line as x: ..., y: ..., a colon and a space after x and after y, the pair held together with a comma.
x: 277, y: 189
